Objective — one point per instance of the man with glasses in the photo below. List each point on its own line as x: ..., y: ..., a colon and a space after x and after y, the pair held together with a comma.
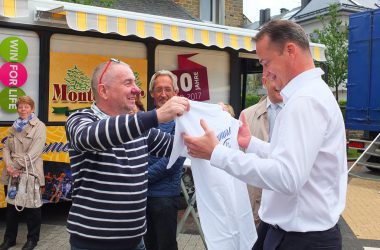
x: 109, y: 155
x: 163, y: 184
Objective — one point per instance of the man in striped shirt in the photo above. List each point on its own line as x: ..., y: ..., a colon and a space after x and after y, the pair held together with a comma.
x: 108, y: 156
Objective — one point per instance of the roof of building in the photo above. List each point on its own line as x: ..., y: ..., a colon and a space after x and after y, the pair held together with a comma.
x: 286, y: 15
x: 165, y: 8
x: 253, y: 26
x: 283, y: 16
x: 318, y: 7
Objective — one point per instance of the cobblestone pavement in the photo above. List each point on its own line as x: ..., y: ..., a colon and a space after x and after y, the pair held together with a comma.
x: 55, y: 237
x: 361, y: 218
x: 359, y: 224
x: 362, y: 211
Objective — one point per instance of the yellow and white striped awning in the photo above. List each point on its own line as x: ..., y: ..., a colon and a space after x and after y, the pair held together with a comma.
x: 163, y: 28
x: 84, y: 18
x: 318, y: 52
x: 14, y: 8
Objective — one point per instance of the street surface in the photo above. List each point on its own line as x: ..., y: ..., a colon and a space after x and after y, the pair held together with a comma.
x: 360, y: 222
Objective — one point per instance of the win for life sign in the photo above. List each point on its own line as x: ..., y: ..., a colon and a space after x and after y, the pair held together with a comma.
x: 192, y: 79
x: 13, y: 74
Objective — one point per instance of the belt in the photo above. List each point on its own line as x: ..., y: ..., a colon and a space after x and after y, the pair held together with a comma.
x: 276, y: 227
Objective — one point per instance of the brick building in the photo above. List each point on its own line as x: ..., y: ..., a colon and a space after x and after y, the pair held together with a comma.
x: 225, y: 12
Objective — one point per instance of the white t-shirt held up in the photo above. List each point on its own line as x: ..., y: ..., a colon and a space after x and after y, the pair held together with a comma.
x: 222, y: 200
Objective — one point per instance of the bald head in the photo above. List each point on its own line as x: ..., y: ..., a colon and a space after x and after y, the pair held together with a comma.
x: 106, y: 69
x: 114, y: 85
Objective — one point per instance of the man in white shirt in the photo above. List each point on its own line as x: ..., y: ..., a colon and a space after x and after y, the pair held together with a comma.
x: 303, y: 170
x: 260, y: 119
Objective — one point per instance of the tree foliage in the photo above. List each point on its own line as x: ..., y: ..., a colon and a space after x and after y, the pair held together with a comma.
x: 334, y: 34
x: 100, y: 3
x: 77, y: 80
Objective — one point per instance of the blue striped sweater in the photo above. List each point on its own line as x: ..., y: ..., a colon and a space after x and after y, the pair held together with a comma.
x: 108, y: 159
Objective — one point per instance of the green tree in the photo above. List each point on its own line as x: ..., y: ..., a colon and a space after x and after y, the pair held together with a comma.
x: 100, y: 3
x: 77, y: 81
x: 334, y: 34
x: 137, y: 77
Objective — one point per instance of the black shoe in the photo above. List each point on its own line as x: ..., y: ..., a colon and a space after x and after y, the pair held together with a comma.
x: 29, y: 245
x: 7, y: 244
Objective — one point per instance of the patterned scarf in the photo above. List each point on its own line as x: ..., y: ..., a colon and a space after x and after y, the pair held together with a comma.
x: 20, y: 124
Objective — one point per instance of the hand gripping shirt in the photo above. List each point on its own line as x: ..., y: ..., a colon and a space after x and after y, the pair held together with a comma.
x: 222, y: 200
x: 303, y: 170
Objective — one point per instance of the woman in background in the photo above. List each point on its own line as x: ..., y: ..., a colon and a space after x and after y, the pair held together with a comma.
x: 27, y: 137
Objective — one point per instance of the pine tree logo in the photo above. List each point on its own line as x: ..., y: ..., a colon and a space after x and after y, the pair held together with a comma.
x: 138, y: 80
x: 137, y: 77
x: 77, y: 81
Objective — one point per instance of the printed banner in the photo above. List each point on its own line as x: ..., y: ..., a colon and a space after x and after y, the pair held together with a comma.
x: 8, y: 99
x: 19, y: 70
x: 56, y: 146
x: 70, y: 81
x: 58, y: 183
x: 13, y: 73
x: 56, y: 166
x: 13, y: 49
x: 3, y: 134
x: 192, y: 79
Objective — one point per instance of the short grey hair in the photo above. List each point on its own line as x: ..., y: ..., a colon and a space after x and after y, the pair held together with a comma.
x: 98, y: 71
x: 163, y: 73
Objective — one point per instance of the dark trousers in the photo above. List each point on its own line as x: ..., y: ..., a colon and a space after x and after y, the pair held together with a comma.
x: 271, y: 238
x: 161, y: 216
x: 33, y: 221
x: 140, y: 246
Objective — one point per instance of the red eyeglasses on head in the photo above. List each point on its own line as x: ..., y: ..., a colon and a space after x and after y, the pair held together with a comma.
x: 136, y: 90
x: 106, y: 67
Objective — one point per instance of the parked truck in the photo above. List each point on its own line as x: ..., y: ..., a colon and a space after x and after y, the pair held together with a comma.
x: 363, y: 84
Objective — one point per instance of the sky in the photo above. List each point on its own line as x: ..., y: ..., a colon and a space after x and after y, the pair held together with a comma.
x: 251, y: 8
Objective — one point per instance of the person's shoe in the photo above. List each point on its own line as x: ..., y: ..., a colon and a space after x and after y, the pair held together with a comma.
x: 7, y: 244
x: 29, y: 245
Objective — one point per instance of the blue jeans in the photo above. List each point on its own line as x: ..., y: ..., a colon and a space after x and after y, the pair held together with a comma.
x: 140, y: 246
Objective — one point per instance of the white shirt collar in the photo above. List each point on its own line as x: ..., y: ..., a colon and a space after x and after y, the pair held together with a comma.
x: 281, y: 104
x: 298, y: 82
x: 100, y: 114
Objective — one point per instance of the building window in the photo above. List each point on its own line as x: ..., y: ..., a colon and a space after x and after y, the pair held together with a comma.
x: 212, y: 11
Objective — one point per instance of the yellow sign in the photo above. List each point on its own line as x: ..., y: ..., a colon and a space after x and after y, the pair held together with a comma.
x: 3, y: 134
x: 70, y: 81
x: 56, y: 146
x: 56, y: 149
